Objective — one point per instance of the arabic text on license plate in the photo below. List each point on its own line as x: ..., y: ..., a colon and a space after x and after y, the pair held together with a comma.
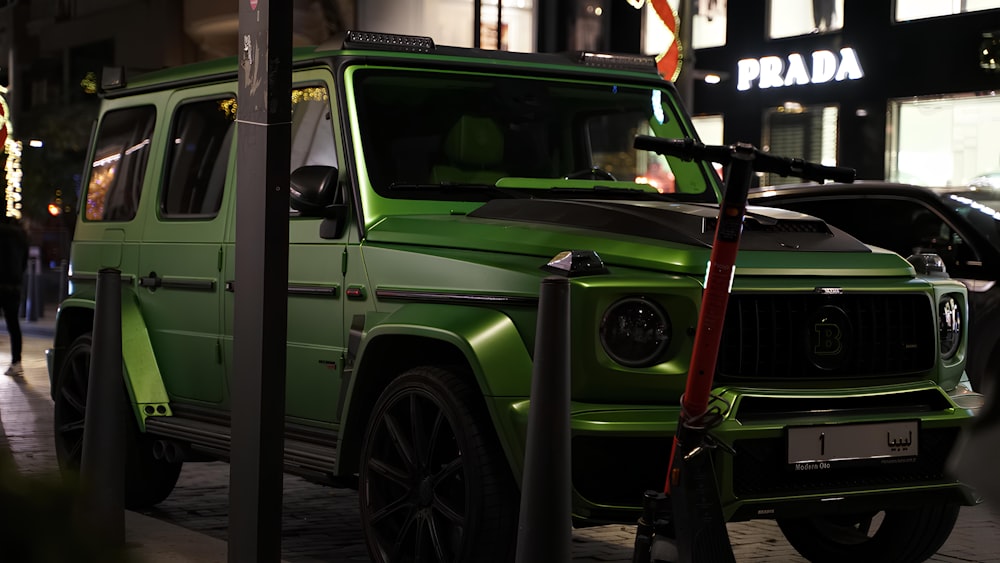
x: 832, y: 443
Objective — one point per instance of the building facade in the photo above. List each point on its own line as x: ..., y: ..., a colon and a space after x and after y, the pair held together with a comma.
x: 903, y: 90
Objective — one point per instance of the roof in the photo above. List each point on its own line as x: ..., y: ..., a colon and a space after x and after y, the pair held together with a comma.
x: 400, y: 47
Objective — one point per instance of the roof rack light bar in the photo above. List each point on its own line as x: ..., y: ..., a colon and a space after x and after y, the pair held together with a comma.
x: 642, y: 63
x: 388, y: 41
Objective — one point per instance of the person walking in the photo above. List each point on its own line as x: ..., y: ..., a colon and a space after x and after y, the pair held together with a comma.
x: 13, y: 263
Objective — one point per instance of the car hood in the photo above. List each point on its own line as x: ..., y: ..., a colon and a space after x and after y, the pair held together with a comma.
x: 675, y: 237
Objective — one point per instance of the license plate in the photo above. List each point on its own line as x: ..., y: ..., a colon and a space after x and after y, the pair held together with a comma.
x: 825, y: 445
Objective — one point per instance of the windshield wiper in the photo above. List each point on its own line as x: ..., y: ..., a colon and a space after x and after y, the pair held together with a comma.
x: 470, y: 192
x: 606, y: 192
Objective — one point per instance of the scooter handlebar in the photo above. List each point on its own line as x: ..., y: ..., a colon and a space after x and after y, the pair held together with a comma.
x: 689, y: 149
x: 764, y: 162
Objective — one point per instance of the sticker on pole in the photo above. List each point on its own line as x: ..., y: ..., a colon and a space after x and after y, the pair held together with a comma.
x: 253, y: 4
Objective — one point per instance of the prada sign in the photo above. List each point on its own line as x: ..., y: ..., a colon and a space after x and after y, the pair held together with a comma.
x: 775, y: 72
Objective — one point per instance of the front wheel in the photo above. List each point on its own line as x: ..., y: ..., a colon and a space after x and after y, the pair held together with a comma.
x: 434, y: 485
x: 901, y: 536
x: 148, y: 480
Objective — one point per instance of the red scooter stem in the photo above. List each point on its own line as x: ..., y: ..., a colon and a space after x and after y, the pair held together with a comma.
x: 715, y: 297
x: 692, y: 527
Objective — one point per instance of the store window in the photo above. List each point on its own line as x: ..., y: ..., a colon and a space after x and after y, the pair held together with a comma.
x: 507, y: 24
x: 789, y: 18
x: 944, y: 141
x: 709, y: 128
x: 797, y: 131
x: 907, y: 10
x: 708, y: 25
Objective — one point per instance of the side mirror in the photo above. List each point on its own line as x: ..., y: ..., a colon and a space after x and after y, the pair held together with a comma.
x: 312, y: 189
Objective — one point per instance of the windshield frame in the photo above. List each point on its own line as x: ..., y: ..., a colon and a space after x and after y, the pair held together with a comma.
x: 379, y: 199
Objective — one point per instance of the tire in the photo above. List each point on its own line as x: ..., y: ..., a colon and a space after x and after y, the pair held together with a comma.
x: 434, y: 485
x: 148, y: 480
x: 901, y: 536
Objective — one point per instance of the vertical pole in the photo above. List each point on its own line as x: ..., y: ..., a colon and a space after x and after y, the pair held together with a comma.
x: 685, y: 81
x: 477, y: 23
x: 102, y: 467
x: 32, y: 289
x: 63, y: 279
x: 40, y: 287
x: 499, y: 25
x: 261, y: 309
x: 544, y: 526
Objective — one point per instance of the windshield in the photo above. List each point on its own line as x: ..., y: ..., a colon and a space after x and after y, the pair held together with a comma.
x: 464, y: 136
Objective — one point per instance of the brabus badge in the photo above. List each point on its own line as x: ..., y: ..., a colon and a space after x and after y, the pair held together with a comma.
x: 829, y: 290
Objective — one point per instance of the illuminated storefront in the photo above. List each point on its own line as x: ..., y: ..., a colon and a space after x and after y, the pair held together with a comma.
x: 509, y: 24
x: 903, y: 90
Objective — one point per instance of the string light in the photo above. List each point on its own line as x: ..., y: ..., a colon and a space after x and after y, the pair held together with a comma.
x: 12, y: 192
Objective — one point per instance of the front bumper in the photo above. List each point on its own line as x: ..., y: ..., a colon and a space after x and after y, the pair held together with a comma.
x: 621, y: 451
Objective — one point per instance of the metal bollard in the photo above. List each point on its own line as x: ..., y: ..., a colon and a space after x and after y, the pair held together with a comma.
x: 544, y: 531
x: 31, y: 309
x: 63, y: 280
x: 102, y: 468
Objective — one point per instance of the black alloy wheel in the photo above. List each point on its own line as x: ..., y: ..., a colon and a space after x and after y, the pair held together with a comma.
x: 900, y: 536
x: 148, y: 480
x: 434, y: 486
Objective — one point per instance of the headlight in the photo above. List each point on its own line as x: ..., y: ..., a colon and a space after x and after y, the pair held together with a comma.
x: 949, y: 325
x: 635, y: 332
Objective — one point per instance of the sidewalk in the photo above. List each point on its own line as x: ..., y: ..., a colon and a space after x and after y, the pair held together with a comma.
x: 155, y: 541
x: 25, y: 429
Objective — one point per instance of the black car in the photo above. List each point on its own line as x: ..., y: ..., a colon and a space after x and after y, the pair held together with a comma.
x: 961, y: 224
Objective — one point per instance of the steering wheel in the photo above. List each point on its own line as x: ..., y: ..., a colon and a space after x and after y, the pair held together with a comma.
x: 593, y: 173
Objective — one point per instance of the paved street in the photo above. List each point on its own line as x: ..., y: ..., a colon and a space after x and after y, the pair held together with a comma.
x: 321, y: 524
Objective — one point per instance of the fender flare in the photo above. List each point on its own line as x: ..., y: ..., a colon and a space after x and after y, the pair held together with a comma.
x: 488, y: 339
x: 147, y: 392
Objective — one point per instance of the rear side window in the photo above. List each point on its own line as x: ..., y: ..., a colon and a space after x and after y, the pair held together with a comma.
x: 119, y: 166
x: 198, y: 159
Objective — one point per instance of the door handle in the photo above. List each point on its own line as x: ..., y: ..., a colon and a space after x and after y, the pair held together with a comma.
x: 152, y: 281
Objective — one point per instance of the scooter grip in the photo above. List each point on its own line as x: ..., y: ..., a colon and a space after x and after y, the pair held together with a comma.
x: 684, y: 149
x: 799, y: 168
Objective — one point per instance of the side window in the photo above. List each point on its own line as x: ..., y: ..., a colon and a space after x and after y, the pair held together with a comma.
x: 312, y: 128
x: 197, y: 159
x: 903, y: 226
x: 120, y: 155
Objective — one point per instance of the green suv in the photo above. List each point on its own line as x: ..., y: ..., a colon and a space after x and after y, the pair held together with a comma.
x: 433, y: 189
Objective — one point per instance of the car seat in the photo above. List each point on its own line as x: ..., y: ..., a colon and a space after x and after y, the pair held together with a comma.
x: 473, y: 151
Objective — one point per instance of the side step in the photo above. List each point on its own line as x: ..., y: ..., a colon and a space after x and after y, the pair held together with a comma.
x: 305, y: 458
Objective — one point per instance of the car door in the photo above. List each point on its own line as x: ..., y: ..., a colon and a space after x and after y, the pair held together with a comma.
x: 315, y: 341
x: 180, y: 267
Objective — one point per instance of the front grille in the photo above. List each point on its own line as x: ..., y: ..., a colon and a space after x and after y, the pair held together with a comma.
x: 760, y: 468
x: 821, y: 336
